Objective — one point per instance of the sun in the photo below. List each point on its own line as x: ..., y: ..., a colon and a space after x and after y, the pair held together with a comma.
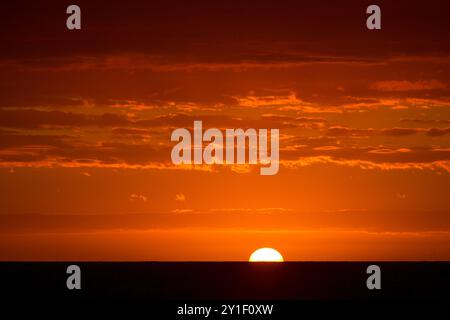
x: 266, y: 255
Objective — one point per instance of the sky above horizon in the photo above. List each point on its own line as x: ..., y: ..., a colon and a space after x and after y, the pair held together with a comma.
x: 86, y: 118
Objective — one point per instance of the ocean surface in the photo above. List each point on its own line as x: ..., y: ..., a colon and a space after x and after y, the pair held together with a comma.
x: 226, y: 280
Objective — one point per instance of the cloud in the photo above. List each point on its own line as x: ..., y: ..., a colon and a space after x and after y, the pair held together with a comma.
x: 345, y: 131
x: 72, y: 151
x: 262, y: 59
x: 399, y: 131
x: 437, y: 132
x: 441, y: 166
x: 404, y: 85
x: 30, y: 118
x: 243, y: 219
x: 16, y: 139
x: 132, y: 132
x: 182, y: 211
x: 254, y: 101
x: 378, y: 154
x: 181, y: 120
x: 137, y: 197
x: 251, y: 210
x: 180, y: 197
x: 401, y: 196
x: 327, y: 148
x: 426, y: 121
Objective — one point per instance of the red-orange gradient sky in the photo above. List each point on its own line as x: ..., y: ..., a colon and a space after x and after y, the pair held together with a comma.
x: 86, y: 118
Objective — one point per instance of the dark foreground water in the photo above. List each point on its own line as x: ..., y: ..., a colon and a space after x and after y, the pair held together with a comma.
x: 226, y: 280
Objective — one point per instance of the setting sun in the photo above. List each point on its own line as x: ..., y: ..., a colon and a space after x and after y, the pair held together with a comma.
x: 266, y: 255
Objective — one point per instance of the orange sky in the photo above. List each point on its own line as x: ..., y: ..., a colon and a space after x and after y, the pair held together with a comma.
x: 86, y: 118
